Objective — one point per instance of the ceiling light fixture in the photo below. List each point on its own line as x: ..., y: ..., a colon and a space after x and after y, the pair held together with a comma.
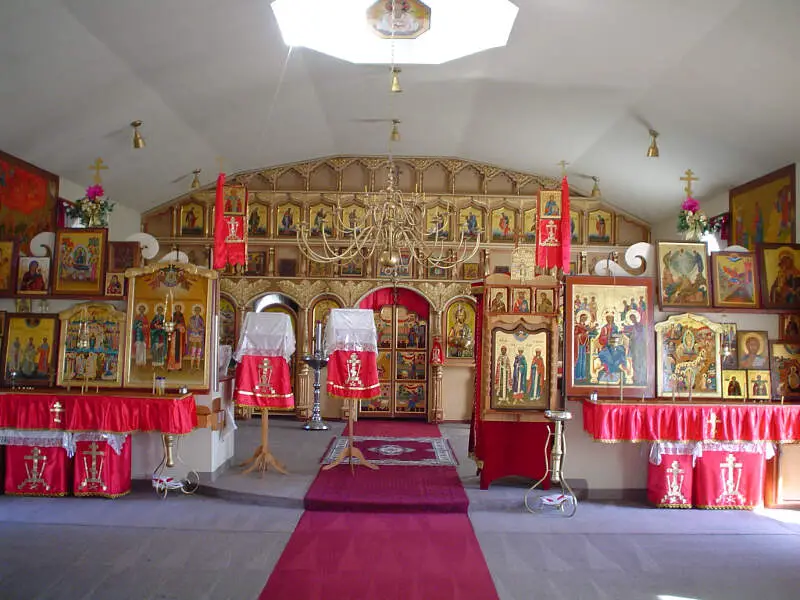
x: 138, y: 140
x: 396, y: 89
x: 395, y: 135
x: 652, y: 151
x: 340, y: 29
x: 596, y: 193
x: 196, y: 180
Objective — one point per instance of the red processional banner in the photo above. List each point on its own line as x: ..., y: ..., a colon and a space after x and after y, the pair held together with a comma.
x: 353, y: 375
x: 554, y: 234
x: 263, y: 382
x: 230, y: 224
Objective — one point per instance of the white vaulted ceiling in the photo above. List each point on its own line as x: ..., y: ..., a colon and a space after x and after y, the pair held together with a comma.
x: 578, y: 81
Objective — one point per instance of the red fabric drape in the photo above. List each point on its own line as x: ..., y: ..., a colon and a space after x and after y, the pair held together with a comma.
x: 37, y: 471
x: 109, y: 476
x: 408, y: 298
x: 476, y: 400
x: 682, y: 422
x: 732, y: 480
x: 254, y: 388
x: 360, y: 383
x: 669, y: 485
x: 566, y: 230
x: 220, y: 230
x: 111, y: 413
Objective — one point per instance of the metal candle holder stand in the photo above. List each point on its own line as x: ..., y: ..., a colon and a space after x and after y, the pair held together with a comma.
x: 316, y: 361
x: 566, y: 503
x: 164, y: 484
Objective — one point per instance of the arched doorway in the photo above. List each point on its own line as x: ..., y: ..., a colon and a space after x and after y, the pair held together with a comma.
x: 401, y: 319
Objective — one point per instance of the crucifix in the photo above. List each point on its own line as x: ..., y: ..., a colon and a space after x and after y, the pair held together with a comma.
x: 57, y: 409
x: 221, y: 164
x: 712, y: 424
x: 35, y: 470
x: 563, y: 165
x: 689, y: 178
x: 97, y: 167
x: 92, y: 471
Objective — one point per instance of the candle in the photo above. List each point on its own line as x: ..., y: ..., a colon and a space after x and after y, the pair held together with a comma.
x: 318, y: 337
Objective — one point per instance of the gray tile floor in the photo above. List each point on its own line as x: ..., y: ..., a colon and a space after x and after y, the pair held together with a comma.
x: 200, y: 547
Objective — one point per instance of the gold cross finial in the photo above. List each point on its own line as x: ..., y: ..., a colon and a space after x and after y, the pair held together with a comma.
x: 97, y: 167
x: 689, y: 178
x: 221, y: 164
x: 563, y: 164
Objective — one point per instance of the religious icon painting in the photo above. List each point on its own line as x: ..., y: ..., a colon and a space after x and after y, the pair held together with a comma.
x: 412, y: 331
x: 575, y: 223
x: 503, y: 224
x: 683, y: 275
x: 33, y: 275
x: 352, y: 267
x: 789, y: 327
x: 550, y: 204
x: 234, y: 200
x: 759, y: 385
x: 384, y: 363
x: 520, y: 378
x: 318, y: 269
x: 193, y: 219
x: 410, y: 398
x: 498, y: 299
x: 470, y: 271
x: 80, y: 261
x: 529, y: 222
x: 470, y: 221
x: 544, y: 301
x: 411, y: 365
x: 29, y: 350
x: 734, y: 384
x: 383, y: 326
x: 321, y: 310
x: 353, y: 220
x: 688, y: 357
x: 227, y: 321
x: 753, y: 349
x: 320, y: 217
x: 785, y: 370
x: 763, y: 211
x: 460, y: 327
x: 735, y: 279
x: 728, y: 347
x: 176, y: 296
x: 437, y: 222
x: 257, y: 220
x: 123, y: 256
x: 436, y: 272
x: 7, y: 271
x: 608, y: 325
x: 288, y: 217
x: 520, y: 300
x: 382, y: 403
x: 92, y: 346
x: 114, y: 285
x: 287, y: 267
x: 256, y: 264
x: 599, y: 227
x: 780, y: 276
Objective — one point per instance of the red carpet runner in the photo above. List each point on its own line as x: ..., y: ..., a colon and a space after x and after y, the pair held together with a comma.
x: 377, y: 535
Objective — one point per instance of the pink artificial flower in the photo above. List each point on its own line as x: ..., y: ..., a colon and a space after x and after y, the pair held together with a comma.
x: 94, y: 191
x: 690, y: 204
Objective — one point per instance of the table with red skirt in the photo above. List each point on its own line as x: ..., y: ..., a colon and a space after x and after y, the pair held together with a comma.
x: 58, y: 443
x: 703, y: 455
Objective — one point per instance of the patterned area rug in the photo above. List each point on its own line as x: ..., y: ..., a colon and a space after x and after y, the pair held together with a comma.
x: 405, y: 451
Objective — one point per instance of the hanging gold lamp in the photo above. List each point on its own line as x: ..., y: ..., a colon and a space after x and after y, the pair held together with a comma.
x: 596, y: 193
x: 652, y: 151
x: 196, y: 180
x: 396, y: 89
x: 138, y: 140
x: 395, y: 136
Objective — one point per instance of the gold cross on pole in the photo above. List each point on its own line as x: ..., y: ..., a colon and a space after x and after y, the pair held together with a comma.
x: 689, y: 178
x: 97, y: 167
x: 563, y: 165
x: 221, y: 164
x: 712, y: 423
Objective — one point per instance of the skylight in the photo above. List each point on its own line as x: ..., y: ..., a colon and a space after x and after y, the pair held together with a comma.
x: 429, y: 32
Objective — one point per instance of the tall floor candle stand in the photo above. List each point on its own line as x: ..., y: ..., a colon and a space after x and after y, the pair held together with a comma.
x: 316, y: 361
x: 566, y: 502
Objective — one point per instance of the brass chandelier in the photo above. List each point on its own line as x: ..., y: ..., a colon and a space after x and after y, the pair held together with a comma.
x: 395, y: 223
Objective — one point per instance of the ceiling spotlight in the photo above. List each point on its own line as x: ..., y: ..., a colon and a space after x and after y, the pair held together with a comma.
x: 396, y: 89
x: 596, y: 193
x: 395, y: 136
x: 652, y: 151
x: 138, y: 140
x: 196, y: 180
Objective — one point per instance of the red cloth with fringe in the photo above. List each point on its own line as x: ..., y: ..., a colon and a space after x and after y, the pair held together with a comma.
x: 353, y: 374
x: 263, y: 382
x: 100, y: 471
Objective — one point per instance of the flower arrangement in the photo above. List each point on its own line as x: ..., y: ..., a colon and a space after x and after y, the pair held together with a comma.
x: 92, y: 209
x: 692, y: 222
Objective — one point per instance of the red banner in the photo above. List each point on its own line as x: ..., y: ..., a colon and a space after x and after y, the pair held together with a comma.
x: 566, y: 227
x: 264, y: 382
x: 230, y: 224
x: 615, y: 422
x: 549, y: 229
x: 353, y: 375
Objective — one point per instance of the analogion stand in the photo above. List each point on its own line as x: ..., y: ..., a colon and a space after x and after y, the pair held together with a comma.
x: 566, y: 502
x: 351, y: 343
x: 262, y: 377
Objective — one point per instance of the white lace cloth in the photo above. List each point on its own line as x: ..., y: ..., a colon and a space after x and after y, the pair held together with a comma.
x: 658, y: 449
x: 60, y: 439
x: 266, y: 334
x: 351, y: 329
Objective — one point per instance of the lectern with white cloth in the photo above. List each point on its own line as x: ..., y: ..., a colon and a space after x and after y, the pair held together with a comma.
x: 266, y: 344
x: 351, y: 344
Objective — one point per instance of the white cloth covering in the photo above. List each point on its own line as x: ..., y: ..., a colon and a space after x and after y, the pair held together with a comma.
x: 658, y: 449
x: 48, y: 438
x: 351, y: 329
x: 266, y: 334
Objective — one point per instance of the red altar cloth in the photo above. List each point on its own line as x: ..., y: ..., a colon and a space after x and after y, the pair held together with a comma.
x: 730, y: 477
x: 670, y: 475
x: 353, y: 374
x: 263, y: 382
x: 108, y: 412
x: 37, y: 471
x: 630, y: 422
x: 99, y: 471
x: 505, y: 448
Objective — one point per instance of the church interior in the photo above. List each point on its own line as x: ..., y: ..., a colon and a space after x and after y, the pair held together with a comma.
x: 399, y: 299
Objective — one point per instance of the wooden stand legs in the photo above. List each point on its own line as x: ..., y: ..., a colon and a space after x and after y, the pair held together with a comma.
x: 263, y: 459
x: 351, y: 452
